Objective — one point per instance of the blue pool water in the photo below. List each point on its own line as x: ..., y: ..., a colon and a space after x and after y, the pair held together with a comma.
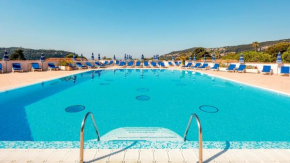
x: 228, y: 111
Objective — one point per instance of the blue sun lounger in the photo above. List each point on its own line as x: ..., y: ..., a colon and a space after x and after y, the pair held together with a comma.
x: 90, y: 65
x: 17, y: 67
x: 117, y: 62
x: 215, y: 67
x: 188, y: 65
x: 177, y: 63
x: 130, y: 64
x: 266, y: 70
x: 51, y: 66
x: 1, y: 68
x: 231, y: 67
x: 161, y: 64
x: 138, y: 64
x: 98, y: 64
x: 241, y: 68
x: 146, y: 64
x: 105, y: 63
x: 170, y: 64
x: 110, y: 63
x: 196, y: 65
x: 285, y: 70
x: 122, y: 64
x: 153, y: 64
x: 204, y: 66
x: 35, y: 67
x: 80, y: 66
x: 72, y: 66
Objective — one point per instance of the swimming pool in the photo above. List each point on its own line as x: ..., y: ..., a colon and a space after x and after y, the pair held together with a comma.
x: 130, y: 102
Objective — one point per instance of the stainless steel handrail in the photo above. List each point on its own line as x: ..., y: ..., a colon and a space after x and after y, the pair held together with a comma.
x: 82, y: 134
x: 199, y: 134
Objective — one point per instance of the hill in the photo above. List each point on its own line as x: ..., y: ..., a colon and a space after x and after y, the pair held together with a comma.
x: 34, y: 54
x: 228, y: 49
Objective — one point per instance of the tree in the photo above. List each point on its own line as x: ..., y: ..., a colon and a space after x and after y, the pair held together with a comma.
x: 17, y: 55
x: 279, y: 47
x: 200, y: 52
x: 71, y: 55
x: 286, y: 56
x: 255, y: 45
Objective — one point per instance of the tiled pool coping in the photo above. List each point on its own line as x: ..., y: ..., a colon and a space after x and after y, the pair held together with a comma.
x: 143, y: 145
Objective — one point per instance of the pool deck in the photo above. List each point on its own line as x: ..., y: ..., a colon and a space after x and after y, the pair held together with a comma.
x: 272, y: 82
x: 145, y: 155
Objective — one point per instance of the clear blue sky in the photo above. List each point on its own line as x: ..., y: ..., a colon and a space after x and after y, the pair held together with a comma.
x: 140, y: 26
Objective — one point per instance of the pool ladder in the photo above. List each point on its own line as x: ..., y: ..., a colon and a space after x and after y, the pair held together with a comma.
x: 98, y: 135
x: 199, y: 133
x: 82, y: 134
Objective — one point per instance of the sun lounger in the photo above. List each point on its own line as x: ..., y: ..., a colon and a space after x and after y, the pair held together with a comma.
x: 204, y: 66
x: 35, y: 67
x: 146, y: 64
x: 105, y: 63
x: 117, y: 62
x: 99, y: 65
x: 215, y: 67
x: 51, y: 66
x: 72, y: 66
x: 231, y: 67
x: 153, y: 64
x: 161, y: 64
x: 1, y: 68
x: 17, y: 67
x: 90, y: 65
x: 177, y: 64
x: 242, y: 68
x: 130, y: 64
x: 266, y: 69
x: 122, y: 64
x: 138, y: 64
x: 110, y: 63
x: 285, y: 70
x: 196, y: 65
x: 188, y: 65
x: 80, y: 66
x: 170, y: 64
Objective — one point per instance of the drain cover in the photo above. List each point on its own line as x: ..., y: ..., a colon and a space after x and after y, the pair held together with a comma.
x: 75, y: 108
x: 208, y: 109
x: 143, y: 98
x: 142, y: 89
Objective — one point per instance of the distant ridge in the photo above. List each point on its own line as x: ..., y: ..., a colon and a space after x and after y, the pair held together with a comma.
x: 230, y: 49
x: 34, y: 54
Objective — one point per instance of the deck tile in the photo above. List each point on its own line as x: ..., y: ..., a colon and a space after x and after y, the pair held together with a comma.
x: 132, y: 156
x: 146, y: 156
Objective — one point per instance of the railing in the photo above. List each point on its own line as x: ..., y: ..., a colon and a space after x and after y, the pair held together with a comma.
x: 82, y: 134
x: 199, y: 134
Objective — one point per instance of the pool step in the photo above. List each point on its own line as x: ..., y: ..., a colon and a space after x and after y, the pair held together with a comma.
x: 142, y: 133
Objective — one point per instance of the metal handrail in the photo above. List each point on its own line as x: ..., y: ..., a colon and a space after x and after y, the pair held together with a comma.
x: 82, y: 134
x: 199, y: 134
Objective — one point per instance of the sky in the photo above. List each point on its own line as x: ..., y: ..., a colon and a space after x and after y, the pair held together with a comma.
x: 138, y: 27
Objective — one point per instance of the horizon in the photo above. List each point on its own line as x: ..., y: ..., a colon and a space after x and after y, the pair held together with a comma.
x: 139, y: 27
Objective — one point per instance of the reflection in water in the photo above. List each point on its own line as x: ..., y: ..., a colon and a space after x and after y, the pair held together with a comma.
x: 213, y: 81
x: 93, y: 75
x: 42, y: 84
x: 74, y: 79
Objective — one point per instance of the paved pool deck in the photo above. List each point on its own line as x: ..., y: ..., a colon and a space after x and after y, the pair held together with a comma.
x: 272, y: 82
x: 144, y: 155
